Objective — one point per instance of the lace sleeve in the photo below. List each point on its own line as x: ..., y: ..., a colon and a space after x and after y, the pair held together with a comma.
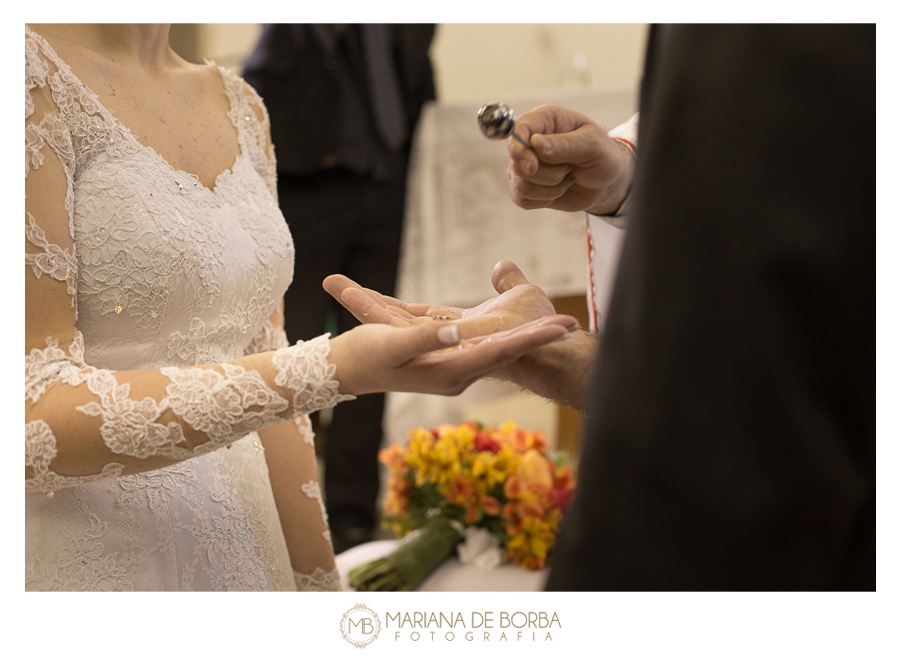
x: 263, y: 138
x: 271, y: 337
x: 291, y: 458
x: 84, y: 423
x: 249, y: 113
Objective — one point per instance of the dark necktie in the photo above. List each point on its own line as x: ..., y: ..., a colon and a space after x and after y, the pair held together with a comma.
x: 384, y: 86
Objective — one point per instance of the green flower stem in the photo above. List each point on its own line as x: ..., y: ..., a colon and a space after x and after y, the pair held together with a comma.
x: 409, y: 565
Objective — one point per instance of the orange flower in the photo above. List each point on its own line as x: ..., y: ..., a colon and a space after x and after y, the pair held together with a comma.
x: 490, y: 505
x: 534, y: 563
x: 396, y: 504
x: 460, y: 490
x: 519, y: 438
x: 392, y: 455
x: 562, y: 478
x: 534, y: 467
x: 543, y: 495
x: 534, y: 510
x: 512, y: 530
x: 513, y: 488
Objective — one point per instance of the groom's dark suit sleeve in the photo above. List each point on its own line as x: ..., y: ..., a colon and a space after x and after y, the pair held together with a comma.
x: 730, y: 433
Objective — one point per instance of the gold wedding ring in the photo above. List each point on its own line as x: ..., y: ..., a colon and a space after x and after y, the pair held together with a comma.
x: 441, y: 317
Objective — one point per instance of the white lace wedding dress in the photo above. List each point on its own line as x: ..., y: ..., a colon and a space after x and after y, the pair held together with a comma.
x: 135, y: 274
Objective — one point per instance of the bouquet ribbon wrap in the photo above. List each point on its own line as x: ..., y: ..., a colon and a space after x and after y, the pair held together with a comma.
x: 409, y: 565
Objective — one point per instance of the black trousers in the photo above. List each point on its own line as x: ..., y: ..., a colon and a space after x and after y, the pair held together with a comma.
x: 343, y: 223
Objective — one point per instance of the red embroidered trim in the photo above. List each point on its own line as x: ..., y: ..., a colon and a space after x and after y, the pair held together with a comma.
x: 627, y: 143
x: 595, y: 325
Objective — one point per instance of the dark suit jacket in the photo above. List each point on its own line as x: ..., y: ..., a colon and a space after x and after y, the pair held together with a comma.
x: 297, y: 81
x: 730, y: 434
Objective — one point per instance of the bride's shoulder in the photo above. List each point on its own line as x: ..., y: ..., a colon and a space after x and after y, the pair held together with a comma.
x: 232, y: 79
x: 239, y: 91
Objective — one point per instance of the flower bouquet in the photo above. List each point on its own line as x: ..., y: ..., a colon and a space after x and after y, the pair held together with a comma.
x: 498, y: 490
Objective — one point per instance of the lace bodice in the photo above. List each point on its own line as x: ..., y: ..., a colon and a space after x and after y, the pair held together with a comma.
x: 152, y: 359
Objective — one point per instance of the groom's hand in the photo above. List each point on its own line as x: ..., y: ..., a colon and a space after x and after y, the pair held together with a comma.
x: 518, y: 302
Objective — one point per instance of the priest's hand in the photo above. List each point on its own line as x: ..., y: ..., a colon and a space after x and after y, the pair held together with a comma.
x: 572, y: 164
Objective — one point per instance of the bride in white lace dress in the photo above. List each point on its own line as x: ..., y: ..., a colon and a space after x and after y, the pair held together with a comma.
x: 167, y: 445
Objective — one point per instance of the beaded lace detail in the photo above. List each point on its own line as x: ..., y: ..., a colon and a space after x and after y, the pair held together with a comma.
x: 156, y: 363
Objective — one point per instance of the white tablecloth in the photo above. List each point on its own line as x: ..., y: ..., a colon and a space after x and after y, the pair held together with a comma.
x: 451, y: 576
x: 460, y: 221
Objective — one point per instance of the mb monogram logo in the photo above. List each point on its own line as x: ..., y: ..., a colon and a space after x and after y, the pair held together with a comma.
x: 360, y: 626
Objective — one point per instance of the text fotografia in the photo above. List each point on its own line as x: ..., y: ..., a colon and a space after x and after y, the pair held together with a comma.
x: 481, y: 626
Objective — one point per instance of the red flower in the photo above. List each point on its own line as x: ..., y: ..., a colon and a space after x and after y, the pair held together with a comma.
x: 484, y: 443
x: 564, y: 498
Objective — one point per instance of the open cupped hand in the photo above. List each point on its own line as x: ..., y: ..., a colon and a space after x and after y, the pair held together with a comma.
x: 519, y: 302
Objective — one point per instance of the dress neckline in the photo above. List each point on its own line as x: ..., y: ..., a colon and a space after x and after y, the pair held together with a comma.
x: 110, y: 116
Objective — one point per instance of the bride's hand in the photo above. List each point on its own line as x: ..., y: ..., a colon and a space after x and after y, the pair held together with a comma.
x: 415, y: 358
x: 519, y: 302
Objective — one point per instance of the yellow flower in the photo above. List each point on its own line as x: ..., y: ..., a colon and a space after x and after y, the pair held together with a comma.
x: 531, y: 543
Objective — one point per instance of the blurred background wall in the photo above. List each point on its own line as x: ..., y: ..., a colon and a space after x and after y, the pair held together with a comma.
x: 474, y: 62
